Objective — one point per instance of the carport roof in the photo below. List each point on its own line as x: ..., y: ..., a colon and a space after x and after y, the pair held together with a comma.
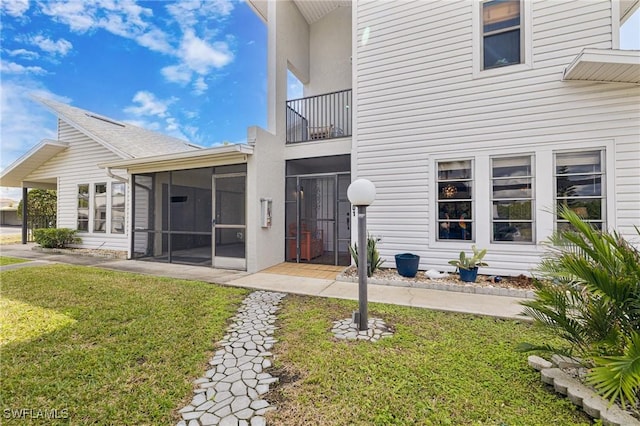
x: 14, y: 175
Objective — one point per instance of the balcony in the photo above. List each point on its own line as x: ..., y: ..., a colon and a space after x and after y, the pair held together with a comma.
x: 326, y: 116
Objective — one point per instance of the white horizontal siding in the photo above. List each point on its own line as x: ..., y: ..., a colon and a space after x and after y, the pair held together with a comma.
x: 78, y: 165
x: 417, y: 97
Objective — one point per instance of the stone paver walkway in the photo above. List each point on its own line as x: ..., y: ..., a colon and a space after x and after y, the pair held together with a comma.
x: 230, y: 392
x: 346, y: 329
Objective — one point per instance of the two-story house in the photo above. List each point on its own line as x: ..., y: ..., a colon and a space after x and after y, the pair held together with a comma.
x: 474, y: 119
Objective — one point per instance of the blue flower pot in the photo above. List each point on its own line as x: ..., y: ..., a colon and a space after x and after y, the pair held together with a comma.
x: 468, y: 275
x: 407, y: 264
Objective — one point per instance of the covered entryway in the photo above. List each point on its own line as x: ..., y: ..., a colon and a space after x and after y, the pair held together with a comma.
x: 317, y: 211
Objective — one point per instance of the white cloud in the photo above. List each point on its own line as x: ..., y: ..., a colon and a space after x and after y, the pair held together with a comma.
x: 188, y: 14
x: 177, y: 73
x: 200, y: 86
x: 78, y: 15
x: 197, y: 54
x: 123, y: 18
x: 201, y: 56
x: 14, y: 68
x: 149, y: 125
x: 148, y: 104
x: 24, y: 53
x: 24, y: 122
x: 155, y: 40
x: 15, y: 8
x: 60, y: 47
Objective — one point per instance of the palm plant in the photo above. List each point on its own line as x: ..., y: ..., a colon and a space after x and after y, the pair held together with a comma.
x: 590, y: 297
x: 373, y: 256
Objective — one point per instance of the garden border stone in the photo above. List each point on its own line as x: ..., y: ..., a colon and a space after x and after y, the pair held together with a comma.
x: 593, y: 404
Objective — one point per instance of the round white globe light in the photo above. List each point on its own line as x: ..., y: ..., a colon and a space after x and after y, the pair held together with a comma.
x: 361, y: 192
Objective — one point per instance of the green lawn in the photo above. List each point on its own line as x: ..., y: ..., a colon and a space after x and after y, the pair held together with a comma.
x: 115, y: 348
x: 6, y: 260
x: 106, y: 347
x: 438, y: 369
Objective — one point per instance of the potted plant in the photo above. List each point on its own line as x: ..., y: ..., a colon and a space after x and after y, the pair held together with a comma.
x: 467, y: 266
x: 407, y: 264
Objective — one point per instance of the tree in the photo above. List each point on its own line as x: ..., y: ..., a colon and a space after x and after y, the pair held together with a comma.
x: 42, y: 208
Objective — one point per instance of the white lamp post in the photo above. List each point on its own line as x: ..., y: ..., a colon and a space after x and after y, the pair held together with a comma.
x: 362, y: 193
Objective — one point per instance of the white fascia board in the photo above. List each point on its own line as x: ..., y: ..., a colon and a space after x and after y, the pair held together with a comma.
x: 12, y: 176
x: 174, y: 161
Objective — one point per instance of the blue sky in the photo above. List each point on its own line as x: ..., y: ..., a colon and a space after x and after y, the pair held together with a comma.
x: 191, y: 69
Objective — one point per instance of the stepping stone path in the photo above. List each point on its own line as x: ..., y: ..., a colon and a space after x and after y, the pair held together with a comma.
x: 346, y: 329
x: 229, y: 393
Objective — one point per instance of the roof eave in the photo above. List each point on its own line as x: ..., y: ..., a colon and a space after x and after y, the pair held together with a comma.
x: 605, y: 65
x: 181, y: 160
x: 628, y: 8
x: 61, y: 115
x: 13, y: 176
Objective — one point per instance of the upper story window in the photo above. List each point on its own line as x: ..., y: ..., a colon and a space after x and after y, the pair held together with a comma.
x: 579, y: 185
x: 502, y: 35
x: 455, y: 200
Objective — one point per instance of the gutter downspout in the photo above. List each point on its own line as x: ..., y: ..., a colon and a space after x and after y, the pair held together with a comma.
x: 114, y: 176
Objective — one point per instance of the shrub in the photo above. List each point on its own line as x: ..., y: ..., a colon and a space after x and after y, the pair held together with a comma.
x: 591, y: 299
x: 55, y: 237
x: 373, y: 256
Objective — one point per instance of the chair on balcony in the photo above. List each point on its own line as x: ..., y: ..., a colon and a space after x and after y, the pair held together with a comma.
x: 325, y: 132
x: 321, y: 132
x: 311, y: 244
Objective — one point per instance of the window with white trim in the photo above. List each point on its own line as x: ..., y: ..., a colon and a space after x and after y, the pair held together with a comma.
x: 117, y: 207
x: 100, y: 207
x: 512, y: 199
x: 502, y: 35
x: 83, y: 208
x: 579, y: 178
x: 455, y: 200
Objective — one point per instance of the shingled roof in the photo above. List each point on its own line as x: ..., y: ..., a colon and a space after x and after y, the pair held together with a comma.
x: 125, y: 140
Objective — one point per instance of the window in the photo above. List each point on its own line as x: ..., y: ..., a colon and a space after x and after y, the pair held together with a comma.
x: 579, y: 182
x: 100, y: 208
x: 502, y: 35
x: 117, y: 207
x: 455, y: 200
x: 512, y: 199
x: 83, y: 208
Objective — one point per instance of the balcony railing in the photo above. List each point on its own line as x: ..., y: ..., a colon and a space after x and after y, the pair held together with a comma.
x: 319, y: 117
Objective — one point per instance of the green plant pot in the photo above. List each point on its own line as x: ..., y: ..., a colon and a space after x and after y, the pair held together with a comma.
x: 468, y: 275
